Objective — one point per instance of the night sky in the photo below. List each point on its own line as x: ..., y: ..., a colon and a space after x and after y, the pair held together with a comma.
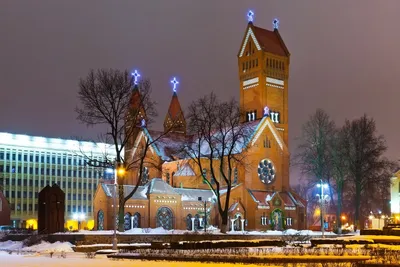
x: 344, y: 59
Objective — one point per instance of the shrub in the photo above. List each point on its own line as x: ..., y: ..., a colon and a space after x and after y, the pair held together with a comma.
x: 33, y: 240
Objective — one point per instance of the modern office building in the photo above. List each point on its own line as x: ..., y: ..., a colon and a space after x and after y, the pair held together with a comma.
x: 29, y: 163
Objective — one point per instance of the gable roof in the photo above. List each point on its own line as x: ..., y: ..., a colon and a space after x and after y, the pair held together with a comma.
x: 158, y: 186
x: 266, y: 40
x: 186, y: 170
x: 141, y: 192
x: 266, y: 197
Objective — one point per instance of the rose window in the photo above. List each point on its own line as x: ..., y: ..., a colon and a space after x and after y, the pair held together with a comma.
x: 266, y: 171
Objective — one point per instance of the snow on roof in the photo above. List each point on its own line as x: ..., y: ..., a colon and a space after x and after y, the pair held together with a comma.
x: 158, y: 186
x: 168, y: 145
x: 139, y: 194
x: 186, y: 170
x: 194, y: 194
x: 264, y: 197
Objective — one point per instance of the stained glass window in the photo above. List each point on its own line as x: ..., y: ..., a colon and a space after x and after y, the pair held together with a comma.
x: 164, y: 218
x: 266, y: 171
x: 136, y: 220
x: 127, y: 221
x: 100, y: 220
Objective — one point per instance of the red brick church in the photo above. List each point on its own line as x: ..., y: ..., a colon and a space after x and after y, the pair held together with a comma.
x: 172, y: 194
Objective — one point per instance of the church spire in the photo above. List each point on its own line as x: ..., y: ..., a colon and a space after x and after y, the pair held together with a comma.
x: 174, y: 119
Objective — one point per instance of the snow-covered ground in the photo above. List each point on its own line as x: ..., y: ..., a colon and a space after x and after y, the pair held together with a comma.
x: 162, y: 231
x: 78, y: 259
x: 43, y: 247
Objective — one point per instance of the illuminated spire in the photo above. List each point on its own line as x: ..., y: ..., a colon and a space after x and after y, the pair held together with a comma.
x: 250, y: 16
x: 174, y: 84
x: 275, y: 22
x: 136, y: 76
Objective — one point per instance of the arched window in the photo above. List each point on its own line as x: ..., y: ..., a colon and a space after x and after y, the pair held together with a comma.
x: 235, y: 176
x: 127, y: 221
x: 136, y: 220
x: 100, y: 220
x: 165, y: 218
x: 189, y: 222
x: 197, y: 222
x: 145, y: 175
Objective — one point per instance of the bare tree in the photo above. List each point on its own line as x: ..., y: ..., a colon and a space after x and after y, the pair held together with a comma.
x: 369, y: 170
x: 339, y: 171
x: 219, y: 138
x: 110, y: 98
x: 313, y: 153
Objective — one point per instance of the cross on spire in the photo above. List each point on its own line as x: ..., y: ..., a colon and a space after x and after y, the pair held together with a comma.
x: 250, y: 16
x: 275, y: 22
x: 136, y: 76
x: 174, y: 84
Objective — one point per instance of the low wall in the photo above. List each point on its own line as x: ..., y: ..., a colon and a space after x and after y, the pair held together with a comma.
x: 81, y: 239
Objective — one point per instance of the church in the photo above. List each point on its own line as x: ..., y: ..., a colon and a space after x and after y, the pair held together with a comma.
x: 172, y: 193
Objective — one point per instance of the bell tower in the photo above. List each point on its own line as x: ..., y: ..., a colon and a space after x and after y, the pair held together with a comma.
x: 263, y: 64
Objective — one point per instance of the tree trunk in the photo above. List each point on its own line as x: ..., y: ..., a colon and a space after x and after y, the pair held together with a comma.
x: 225, y: 223
x: 339, y: 207
x: 121, y: 208
x: 357, y: 206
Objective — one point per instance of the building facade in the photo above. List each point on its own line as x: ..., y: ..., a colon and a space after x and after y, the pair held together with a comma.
x: 173, y: 193
x: 395, y: 197
x: 29, y: 163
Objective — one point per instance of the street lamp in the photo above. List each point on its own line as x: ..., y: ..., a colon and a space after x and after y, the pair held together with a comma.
x: 205, y: 212
x: 322, y: 198
x: 118, y: 171
x: 79, y: 217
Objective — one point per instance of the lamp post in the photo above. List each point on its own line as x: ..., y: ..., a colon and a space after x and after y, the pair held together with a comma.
x: 322, y: 200
x: 205, y: 212
x: 118, y: 171
x: 115, y: 241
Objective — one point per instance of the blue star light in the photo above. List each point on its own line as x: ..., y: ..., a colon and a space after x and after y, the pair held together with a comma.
x: 136, y: 76
x: 250, y: 16
x: 174, y: 84
x: 275, y: 22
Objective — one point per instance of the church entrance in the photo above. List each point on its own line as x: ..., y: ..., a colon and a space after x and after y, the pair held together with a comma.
x: 238, y: 223
x: 165, y: 218
x: 276, y: 220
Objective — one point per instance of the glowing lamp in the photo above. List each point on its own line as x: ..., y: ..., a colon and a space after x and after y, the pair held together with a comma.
x: 121, y: 171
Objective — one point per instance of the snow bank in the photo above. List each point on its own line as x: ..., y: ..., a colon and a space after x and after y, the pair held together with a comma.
x: 50, y: 247
x: 11, y: 245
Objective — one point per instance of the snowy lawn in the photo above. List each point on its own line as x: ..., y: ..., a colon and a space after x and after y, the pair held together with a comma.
x: 43, y: 247
x: 78, y: 259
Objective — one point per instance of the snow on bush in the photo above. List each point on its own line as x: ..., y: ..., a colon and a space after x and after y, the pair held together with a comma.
x: 50, y: 247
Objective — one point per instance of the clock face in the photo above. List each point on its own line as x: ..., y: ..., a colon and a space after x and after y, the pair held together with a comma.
x: 266, y: 171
